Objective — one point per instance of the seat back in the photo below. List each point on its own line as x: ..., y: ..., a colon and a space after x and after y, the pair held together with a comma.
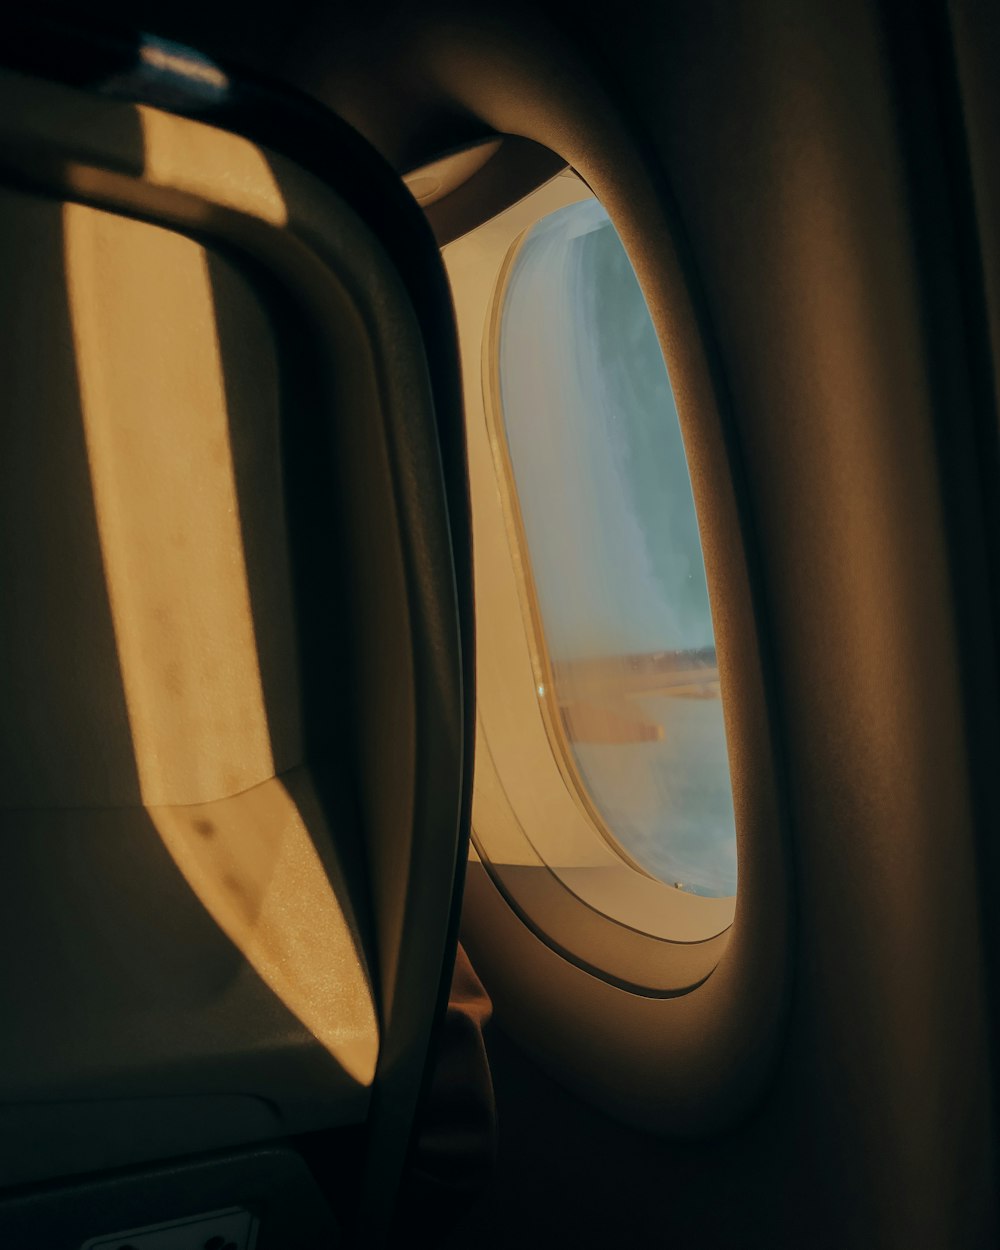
x: 234, y: 640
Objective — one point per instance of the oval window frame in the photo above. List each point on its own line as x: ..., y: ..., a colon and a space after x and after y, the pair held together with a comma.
x: 692, y: 1062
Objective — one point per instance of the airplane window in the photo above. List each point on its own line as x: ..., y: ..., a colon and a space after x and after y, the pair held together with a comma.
x: 612, y: 557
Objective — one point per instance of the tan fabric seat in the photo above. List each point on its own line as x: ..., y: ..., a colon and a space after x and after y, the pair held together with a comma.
x: 233, y: 779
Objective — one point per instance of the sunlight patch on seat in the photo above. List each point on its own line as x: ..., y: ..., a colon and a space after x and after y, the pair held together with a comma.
x: 157, y: 434
x: 254, y: 866
x: 158, y: 438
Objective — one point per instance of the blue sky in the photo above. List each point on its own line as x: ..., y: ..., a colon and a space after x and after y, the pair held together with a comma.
x: 596, y: 447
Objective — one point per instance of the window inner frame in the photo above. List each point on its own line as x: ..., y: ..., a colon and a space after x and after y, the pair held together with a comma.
x: 533, y: 815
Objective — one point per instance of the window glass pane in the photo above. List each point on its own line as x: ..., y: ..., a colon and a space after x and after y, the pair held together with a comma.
x: 615, y: 558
